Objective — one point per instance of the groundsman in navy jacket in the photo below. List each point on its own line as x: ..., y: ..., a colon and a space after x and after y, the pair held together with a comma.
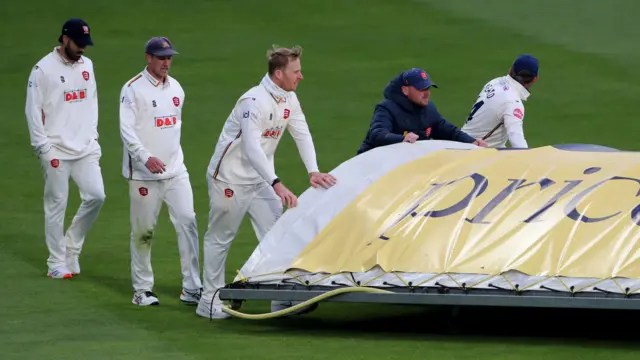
x: 407, y: 115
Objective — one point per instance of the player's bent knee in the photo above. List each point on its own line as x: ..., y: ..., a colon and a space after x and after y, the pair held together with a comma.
x: 142, y: 237
x: 96, y: 198
x: 185, y: 218
x: 55, y: 199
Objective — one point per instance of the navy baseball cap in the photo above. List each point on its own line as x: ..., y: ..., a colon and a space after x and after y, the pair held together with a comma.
x: 417, y: 78
x: 527, y: 63
x: 159, y: 46
x: 78, y: 31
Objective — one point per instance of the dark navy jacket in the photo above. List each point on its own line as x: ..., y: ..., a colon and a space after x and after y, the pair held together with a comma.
x: 397, y: 114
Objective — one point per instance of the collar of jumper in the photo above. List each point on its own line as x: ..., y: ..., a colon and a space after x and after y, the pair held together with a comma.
x: 279, y: 94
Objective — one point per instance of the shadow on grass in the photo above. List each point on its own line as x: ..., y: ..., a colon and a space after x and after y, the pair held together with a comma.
x: 595, y: 328
x: 538, y: 326
x: 382, y: 322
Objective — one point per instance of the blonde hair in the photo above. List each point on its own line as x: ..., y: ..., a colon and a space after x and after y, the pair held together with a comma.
x: 279, y: 57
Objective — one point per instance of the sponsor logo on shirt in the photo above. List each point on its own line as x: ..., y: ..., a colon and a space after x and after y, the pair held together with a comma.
x: 273, y: 132
x: 164, y: 122
x: 75, y: 95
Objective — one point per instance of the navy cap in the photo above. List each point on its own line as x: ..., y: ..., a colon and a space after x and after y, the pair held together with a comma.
x: 527, y: 63
x: 159, y: 46
x: 417, y: 78
x: 78, y: 31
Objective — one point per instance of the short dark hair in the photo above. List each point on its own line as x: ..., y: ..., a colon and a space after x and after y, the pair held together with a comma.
x: 524, y: 77
x: 279, y: 57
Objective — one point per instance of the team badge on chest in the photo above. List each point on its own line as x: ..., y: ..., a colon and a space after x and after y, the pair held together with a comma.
x: 85, y: 75
x: 176, y: 101
x: 286, y: 114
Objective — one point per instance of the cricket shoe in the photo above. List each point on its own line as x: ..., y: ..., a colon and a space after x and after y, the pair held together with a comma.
x: 277, y: 305
x: 190, y: 296
x: 211, y: 310
x: 59, y: 273
x: 73, y: 264
x: 145, y: 298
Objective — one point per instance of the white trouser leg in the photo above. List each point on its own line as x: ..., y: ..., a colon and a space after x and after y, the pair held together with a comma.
x: 179, y: 198
x: 56, y: 192
x: 227, y: 206
x: 87, y: 175
x: 265, y: 209
x: 145, y: 204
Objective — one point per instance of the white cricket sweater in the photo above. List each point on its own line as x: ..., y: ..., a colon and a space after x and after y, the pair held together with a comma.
x: 244, y: 153
x: 501, y: 101
x: 62, y: 106
x: 151, y: 125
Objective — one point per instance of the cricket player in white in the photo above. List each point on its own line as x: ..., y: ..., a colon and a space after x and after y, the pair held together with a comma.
x: 150, y: 126
x: 241, y: 173
x: 498, y: 113
x: 62, y: 117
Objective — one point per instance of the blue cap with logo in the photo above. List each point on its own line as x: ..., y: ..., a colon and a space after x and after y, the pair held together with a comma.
x: 417, y: 78
x: 159, y: 46
x: 78, y: 31
x: 526, y: 63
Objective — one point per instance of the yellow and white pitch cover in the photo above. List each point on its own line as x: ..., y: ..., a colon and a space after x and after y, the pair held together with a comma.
x: 439, y: 211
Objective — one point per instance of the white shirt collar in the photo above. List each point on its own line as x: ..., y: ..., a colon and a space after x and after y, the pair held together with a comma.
x: 63, y: 59
x: 278, y: 94
x: 522, y: 91
x: 155, y: 82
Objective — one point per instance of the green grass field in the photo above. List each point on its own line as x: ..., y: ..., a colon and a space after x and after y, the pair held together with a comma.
x: 587, y: 93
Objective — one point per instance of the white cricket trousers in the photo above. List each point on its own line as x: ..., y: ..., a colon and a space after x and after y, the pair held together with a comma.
x: 146, y: 199
x: 87, y: 175
x: 228, y: 204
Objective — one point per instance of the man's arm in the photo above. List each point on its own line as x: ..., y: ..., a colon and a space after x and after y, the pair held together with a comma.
x: 34, y: 111
x: 444, y: 130
x: 513, y: 116
x: 299, y: 130
x: 128, y: 112
x: 249, y: 114
x: 382, y: 127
